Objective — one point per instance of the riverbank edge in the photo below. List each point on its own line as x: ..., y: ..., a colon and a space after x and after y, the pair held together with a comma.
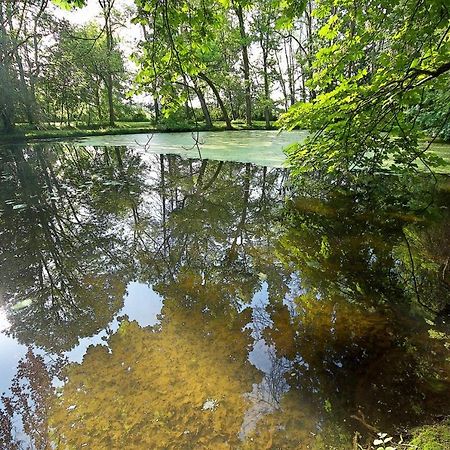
x: 58, y: 134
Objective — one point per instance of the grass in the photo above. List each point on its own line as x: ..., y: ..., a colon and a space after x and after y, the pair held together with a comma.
x: 432, y: 437
x: 24, y: 133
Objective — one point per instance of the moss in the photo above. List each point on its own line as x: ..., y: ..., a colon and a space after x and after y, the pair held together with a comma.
x: 432, y: 437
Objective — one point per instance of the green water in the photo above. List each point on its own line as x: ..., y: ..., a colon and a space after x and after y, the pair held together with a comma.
x: 265, y: 148
x: 152, y: 301
x: 258, y: 147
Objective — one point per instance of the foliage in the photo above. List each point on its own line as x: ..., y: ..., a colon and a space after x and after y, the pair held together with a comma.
x: 379, y: 60
x: 79, y: 68
x: 432, y: 437
x: 70, y: 3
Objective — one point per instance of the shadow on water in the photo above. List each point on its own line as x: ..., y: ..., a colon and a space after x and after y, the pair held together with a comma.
x: 271, y: 323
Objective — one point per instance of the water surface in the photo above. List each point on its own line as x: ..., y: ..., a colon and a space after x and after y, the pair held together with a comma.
x: 150, y: 301
x: 264, y: 148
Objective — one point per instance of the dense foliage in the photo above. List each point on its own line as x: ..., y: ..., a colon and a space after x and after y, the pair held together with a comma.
x: 381, y: 69
x: 368, y: 79
x: 54, y: 72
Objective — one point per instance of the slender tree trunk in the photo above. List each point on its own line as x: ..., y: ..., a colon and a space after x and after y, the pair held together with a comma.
x: 266, y: 89
x: 310, y: 43
x: 106, y: 6
x: 282, y: 83
x: 233, y: 109
x: 246, y: 64
x: 97, y: 102
x: 156, y: 105
x: 219, y: 100
x: 290, y: 70
x: 112, y: 115
x: 204, y: 107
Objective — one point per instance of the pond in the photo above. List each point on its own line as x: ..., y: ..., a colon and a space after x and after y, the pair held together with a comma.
x: 264, y: 148
x: 153, y: 301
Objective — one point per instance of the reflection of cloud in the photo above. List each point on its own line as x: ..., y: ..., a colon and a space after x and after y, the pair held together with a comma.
x: 265, y: 396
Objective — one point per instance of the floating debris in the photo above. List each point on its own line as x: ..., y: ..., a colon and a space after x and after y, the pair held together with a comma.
x: 210, y: 405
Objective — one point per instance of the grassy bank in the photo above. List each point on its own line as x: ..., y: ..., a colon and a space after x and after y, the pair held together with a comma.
x: 24, y: 133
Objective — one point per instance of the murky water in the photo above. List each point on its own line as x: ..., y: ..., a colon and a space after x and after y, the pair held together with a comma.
x: 153, y: 302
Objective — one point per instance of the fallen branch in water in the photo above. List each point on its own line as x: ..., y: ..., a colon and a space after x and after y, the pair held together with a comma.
x: 362, y: 420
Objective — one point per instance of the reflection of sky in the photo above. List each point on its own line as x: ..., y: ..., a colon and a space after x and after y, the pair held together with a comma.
x: 266, y: 395
x: 10, y: 353
x: 141, y: 304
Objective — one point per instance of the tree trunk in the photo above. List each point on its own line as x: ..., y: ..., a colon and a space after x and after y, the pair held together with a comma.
x: 156, y: 104
x: 246, y: 65
x: 233, y: 109
x: 107, y: 6
x: 109, y: 85
x: 266, y: 90
x: 98, y: 103
x: 310, y: 44
x: 290, y: 69
x: 282, y: 83
x: 219, y: 100
x: 204, y: 107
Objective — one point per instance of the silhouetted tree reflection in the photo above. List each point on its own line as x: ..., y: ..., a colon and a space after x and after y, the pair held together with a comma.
x: 66, y: 265
x: 30, y: 400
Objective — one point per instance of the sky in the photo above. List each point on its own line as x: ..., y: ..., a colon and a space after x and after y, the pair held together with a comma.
x: 128, y: 35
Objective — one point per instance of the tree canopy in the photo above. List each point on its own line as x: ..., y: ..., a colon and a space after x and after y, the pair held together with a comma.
x: 368, y: 79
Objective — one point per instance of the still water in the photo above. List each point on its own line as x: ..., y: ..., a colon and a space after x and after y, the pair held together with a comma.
x: 153, y: 302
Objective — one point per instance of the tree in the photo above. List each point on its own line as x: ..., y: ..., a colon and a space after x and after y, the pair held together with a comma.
x: 238, y: 7
x: 21, y: 22
x: 111, y: 66
x: 379, y: 59
x: 264, y: 22
x: 182, y: 52
x: 75, y: 82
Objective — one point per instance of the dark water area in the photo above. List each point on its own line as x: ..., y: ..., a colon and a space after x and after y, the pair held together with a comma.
x: 147, y: 301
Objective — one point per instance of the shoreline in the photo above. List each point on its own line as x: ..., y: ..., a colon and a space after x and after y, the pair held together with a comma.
x: 58, y: 134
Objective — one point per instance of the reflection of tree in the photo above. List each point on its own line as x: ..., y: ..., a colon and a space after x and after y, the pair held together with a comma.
x: 353, y: 333
x: 29, y: 403
x: 339, y: 323
x: 65, y: 274
x: 341, y: 249
x: 213, y: 231
x: 425, y: 264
